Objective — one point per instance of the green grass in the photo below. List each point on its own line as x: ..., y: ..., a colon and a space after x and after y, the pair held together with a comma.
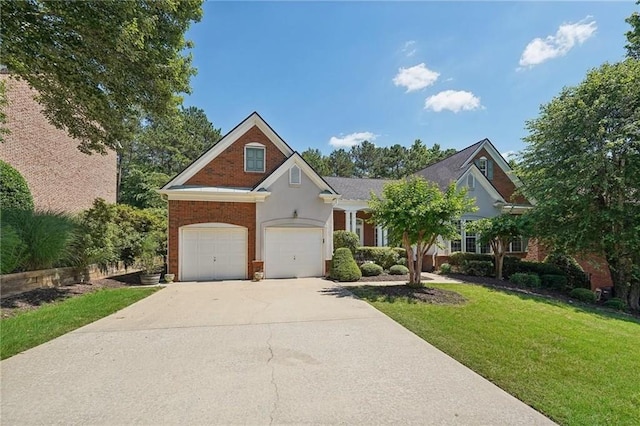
x: 576, y: 365
x: 33, y: 328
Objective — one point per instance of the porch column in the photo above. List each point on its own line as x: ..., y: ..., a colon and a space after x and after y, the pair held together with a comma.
x: 353, y: 222
x: 385, y: 237
x: 379, y: 236
x: 347, y: 220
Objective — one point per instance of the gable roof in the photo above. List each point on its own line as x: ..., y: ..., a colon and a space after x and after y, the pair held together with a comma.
x: 451, y: 168
x: 356, y: 188
x: 296, y: 159
x: 254, y: 119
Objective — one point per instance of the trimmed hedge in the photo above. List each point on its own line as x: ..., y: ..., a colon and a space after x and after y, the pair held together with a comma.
x: 398, y: 270
x: 346, y: 239
x: 523, y: 267
x: 576, y: 277
x: 525, y: 280
x: 370, y: 269
x: 445, y: 268
x: 458, y: 258
x: 383, y: 256
x: 343, y: 267
x: 555, y: 282
x: 14, y: 191
x: 583, y: 295
x: 615, y: 303
x: 478, y: 268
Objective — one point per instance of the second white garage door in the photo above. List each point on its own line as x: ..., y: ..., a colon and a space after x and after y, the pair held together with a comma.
x: 213, y: 253
x: 293, y: 252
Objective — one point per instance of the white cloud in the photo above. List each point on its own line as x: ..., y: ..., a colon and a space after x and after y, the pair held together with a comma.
x: 415, y: 78
x: 553, y: 46
x: 409, y: 48
x: 350, y: 140
x: 453, y: 100
x: 509, y: 154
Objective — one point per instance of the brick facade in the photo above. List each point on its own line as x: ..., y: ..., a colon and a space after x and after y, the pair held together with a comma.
x: 339, y: 224
x: 183, y: 213
x: 502, y: 182
x: 59, y: 176
x: 227, y: 169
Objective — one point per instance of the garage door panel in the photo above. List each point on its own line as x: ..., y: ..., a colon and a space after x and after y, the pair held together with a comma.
x: 293, y: 252
x: 213, y: 254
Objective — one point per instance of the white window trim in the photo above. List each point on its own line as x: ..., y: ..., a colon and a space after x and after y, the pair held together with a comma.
x: 471, y: 182
x: 360, y: 226
x: 291, y: 182
x: 482, y: 161
x: 255, y: 145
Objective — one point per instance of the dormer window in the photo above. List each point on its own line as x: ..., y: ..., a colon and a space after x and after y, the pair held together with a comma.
x: 485, y: 166
x: 254, y: 154
x: 295, y: 175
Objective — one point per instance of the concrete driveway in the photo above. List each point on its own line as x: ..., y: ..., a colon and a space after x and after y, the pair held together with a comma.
x: 281, y: 351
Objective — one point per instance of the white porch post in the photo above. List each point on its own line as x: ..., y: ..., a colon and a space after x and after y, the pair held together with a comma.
x: 385, y: 237
x: 353, y: 222
x: 347, y: 220
x: 379, y: 236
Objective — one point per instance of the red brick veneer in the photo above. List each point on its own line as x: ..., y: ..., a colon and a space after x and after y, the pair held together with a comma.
x: 227, y: 169
x: 502, y: 182
x: 183, y: 213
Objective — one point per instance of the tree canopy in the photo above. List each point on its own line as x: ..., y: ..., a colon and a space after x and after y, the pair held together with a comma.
x: 366, y: 160
x: 99, y: 65
x: 582, y: 167
x: 633, y: 35
x: 415, y: 212
x: 498, y: 231
x: 159, y: 150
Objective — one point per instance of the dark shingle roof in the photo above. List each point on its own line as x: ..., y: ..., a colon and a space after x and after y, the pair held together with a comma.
x: 356, y: 188
x: 450, y: 169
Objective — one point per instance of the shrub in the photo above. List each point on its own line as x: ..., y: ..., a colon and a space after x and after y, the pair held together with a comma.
x: 344, y: 267
x: 445, y: 268
x: 46, y: 235
x: 370, y: 269
x: 383, y: 256
x: 525, y: 280
x: 346, y: 239
x: 555, y: 282
x: 583, y: 295
x: 524, y: 267
x: 576, y: 277
x: 401, y: 252
x: 14, y: 191
x: 458, y: 258
x: 398, y: 270
x: 12, y: 250
x: 615, y: 303
x: 402, y: 261
x: 478, y: 268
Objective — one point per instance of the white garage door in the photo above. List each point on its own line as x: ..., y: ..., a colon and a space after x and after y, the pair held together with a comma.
x: 213, y: 254
x: 293, y: 252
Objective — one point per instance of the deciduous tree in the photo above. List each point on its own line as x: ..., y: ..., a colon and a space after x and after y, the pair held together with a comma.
x: 633, y: 35
x: 415, y: 212
x: 582, y: 168
x: 98, y: 64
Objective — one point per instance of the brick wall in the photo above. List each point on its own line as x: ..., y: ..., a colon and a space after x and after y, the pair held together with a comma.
x: 183, y: 213
x: 339, y: 220
x: 501, y: 181
x: 227, y: 169
x: 369, y: 229
x: 59, y: 176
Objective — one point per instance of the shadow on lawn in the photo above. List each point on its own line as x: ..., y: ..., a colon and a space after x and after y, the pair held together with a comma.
x: 398, y: 292
x: 548, y: 297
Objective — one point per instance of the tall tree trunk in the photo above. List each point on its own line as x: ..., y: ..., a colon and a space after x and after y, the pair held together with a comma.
x: 619, y: 276
x: 634, y: 296
x: 419, y: 250
x: 407, y: 246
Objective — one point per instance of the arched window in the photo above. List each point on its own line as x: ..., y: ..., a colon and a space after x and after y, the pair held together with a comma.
x: 295, y: 175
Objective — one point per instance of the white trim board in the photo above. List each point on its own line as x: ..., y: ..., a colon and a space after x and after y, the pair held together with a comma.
x: 481, y: 179
x: 498, y: 158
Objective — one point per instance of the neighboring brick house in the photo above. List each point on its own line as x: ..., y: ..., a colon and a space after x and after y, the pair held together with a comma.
x: 251, y: 203
x: 59, y: 176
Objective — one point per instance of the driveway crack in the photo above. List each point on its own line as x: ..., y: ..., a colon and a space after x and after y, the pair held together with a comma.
x: 273, y: 378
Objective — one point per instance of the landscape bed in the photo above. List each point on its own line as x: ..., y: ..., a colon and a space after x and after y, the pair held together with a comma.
x: 574, y: 364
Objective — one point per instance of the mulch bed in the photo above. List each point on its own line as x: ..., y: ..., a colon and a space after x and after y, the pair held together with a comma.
x: 34, y: 299
x: 421, y: 294
x: 385, y: 277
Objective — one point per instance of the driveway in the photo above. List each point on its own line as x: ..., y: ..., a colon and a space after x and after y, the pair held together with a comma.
x: 278, y: 351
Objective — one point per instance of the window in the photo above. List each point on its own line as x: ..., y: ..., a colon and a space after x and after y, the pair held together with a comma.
x: 295, y: 175
x: 360, y: 230
x: 516, y: 245
x: 469, y: 240
x: 471, y: 182
x: 456, y: 245
x: 254, y: 158
x: 482, y: 165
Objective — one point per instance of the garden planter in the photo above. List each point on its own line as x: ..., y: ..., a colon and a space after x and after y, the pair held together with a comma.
x: 168, y: 278
x: 257, y: 276
x: 150, y: 279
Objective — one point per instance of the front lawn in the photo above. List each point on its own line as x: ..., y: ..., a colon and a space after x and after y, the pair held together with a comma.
x: 577, y: 366
x: 33, y: 328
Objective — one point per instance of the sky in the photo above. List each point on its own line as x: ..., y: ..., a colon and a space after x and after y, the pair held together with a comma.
x: 328, y: 75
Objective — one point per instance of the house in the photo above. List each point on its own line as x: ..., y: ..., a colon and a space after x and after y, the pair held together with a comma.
x: 59, y: 176
x: 251, y: 203
x: 480, y: 168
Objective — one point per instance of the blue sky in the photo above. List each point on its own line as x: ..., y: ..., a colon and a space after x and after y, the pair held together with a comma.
x: 329, y: 74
